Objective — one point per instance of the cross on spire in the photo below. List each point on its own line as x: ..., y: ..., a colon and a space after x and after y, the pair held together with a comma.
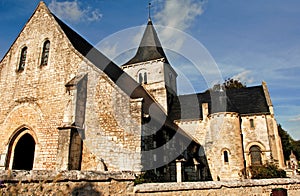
x: 149, y: 8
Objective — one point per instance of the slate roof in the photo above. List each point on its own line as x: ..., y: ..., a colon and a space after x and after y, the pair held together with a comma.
x: 150, y: 47
x: 119, y: 77
x: 250, y: 100
x: 113, y: 71
x: 244, y: 101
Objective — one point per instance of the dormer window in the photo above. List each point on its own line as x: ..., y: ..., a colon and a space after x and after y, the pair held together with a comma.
x: 45, y: 53
x: 22, y: 59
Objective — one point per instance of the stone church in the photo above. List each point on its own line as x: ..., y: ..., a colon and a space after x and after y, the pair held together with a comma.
x: 65, y: 106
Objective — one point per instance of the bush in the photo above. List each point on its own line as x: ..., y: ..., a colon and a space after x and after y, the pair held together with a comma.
x: 146, y: 177
x: 266, y: 171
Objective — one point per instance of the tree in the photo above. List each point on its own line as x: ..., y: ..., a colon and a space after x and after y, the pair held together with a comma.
x: 286, y: 142
x: 266, y: 171
x: 296, y: 149
x: 233, y: 83
x: 229, y: 83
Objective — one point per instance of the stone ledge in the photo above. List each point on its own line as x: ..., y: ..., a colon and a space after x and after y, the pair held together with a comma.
x: 58, y: 176
x: 188, y: 186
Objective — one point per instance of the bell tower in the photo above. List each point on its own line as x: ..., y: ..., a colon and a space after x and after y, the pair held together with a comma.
x: 150, y: 68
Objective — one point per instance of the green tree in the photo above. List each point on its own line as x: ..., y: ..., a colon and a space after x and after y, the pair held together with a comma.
x: 266, y: 171
x: 233, y: 83
x: 286, y: 142
x: 229, y: 83
x: 296, y: 148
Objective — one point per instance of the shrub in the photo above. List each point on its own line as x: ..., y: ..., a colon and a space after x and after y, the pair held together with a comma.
x: 146, y: 177
x: 266, y: 171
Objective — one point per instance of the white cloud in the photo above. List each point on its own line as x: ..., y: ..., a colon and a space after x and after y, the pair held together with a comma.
x: 108, y: 49
x: 72, y: 11
x: 295, y: 119
x: 177, y: 14
x: 244, y: 77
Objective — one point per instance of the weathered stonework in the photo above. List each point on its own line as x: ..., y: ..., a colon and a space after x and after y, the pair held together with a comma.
x: 66, y: 183
x: 122, y: 183
x: 47, y: 103
x: 160, y: 75
x: 245, y: 187
x: 80, y: 111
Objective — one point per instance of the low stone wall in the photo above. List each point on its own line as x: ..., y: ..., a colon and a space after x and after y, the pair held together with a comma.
x: 246, y: 187
x: 66, y: 183
x: 122, y: 183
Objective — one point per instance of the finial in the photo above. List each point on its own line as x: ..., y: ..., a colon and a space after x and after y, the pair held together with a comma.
x: 149, y: 8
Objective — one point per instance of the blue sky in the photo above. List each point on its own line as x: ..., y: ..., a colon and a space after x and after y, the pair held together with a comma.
x: 249, y: 40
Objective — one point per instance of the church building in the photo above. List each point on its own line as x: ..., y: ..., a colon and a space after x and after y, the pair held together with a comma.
x: 65, y: 106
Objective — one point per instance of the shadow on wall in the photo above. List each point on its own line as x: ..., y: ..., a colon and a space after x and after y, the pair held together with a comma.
x: 195, y: 166
x: 162, y: 151
x: 86, y: 189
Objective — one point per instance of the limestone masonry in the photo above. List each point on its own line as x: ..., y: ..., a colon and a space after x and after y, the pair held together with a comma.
x: 65, y: 106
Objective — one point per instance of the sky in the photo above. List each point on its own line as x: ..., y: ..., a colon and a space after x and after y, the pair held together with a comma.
x: 252, y: 41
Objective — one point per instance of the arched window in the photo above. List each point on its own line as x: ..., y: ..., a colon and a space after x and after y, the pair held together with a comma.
x: 45, y: 53
x: 251, y: 123
x: 255, y: 154
x: 145, y: 78
x: 225, y: 154
x: 142, y: 77
x: 22, y: 59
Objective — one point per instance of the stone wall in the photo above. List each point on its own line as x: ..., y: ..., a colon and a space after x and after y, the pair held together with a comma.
x: 246, y: 187
x: 35, y: 98
x: 122, y: 183
x: 224, y: 135
x: 49, y: 101
x: 66, y: 183
x: 256, y: 135
x: 263, y: 133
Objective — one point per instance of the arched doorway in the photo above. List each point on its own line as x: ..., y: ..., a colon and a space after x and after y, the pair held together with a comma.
x: 24, y: 153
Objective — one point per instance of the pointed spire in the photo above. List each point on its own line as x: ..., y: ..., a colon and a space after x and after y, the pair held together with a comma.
x: 150, y: 47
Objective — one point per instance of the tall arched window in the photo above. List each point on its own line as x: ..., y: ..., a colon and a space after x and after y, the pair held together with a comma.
x: 255, y: 154
x: 45, y: 53
x: 140, y: 78
x: 251, y: 123
x: 22, y: 59
x: 145, y: 78
x: 225, y: 153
